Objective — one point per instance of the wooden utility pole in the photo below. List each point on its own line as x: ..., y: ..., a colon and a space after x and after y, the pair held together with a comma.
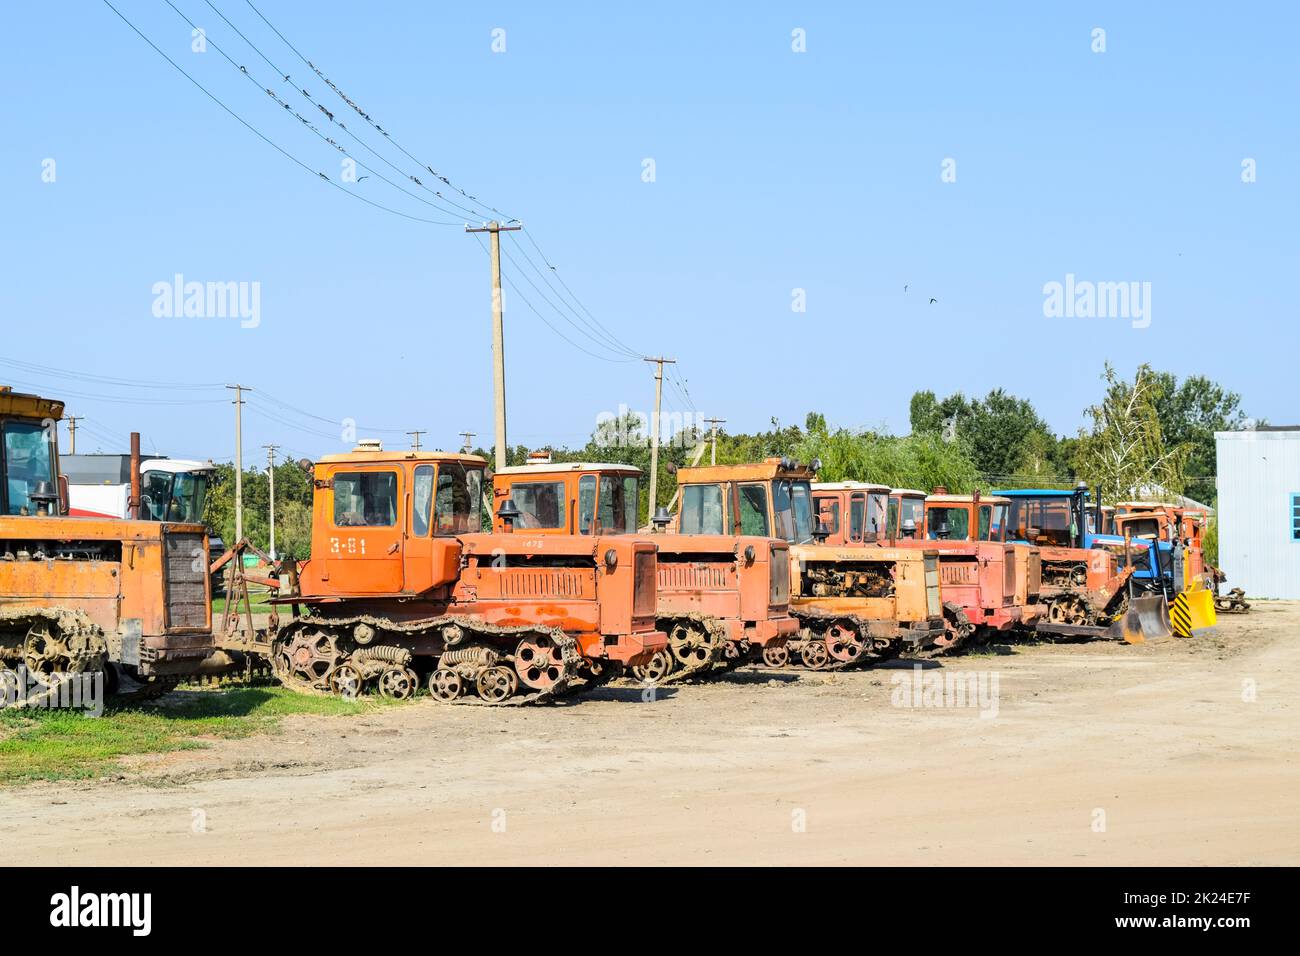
x: 713, y: 439
x: 72, y: 431
x: 495, y: 229
x: 270, y: 474
x: 239, y: 460
x: 654, y: 429
x: 468, y: 446
x: 415, y: 438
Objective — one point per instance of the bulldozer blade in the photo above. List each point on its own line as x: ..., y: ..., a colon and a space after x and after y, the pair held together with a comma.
x: 1145, y: 621
x: 1192, y: 612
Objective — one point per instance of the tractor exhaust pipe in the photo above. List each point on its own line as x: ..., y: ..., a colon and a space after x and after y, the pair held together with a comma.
x: 133, y: 504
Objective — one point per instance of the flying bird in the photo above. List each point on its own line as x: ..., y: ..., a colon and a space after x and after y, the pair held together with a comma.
x: 933, y: 300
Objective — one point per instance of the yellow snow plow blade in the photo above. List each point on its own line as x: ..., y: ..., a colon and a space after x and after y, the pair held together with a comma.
x: 1146, y: 621
x: 1193, y: 612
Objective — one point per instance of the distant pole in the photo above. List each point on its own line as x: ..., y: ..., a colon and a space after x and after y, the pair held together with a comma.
x: 713, y: 432
x: 498, y: 335
x: 469, y: 441
x: 72, y: 432
x: 415, y: 438
x: 239, y: 460
x: 654, y: 430
x: 270, y: 472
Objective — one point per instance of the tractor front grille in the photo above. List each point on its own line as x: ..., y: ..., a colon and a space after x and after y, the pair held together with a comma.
x: 185, y: 581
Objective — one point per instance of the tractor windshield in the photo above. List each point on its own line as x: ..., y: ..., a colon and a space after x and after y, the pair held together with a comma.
x: 172, y: 496
x: 913, y: 510
x: 28, y: 462
x: 948, y: 524
x: 1042, y: 521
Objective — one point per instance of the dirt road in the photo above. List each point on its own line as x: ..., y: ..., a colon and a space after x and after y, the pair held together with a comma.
x: 1183, y: 753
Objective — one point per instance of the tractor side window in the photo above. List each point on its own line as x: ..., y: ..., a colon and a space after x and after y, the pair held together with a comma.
x: 753, y: 510
x: 456, y: 506
x: 999, y: 528
x: 891, y: 518
x: 701, y: 509
x: 875, y: 513
x: 801, y: 498
x: 541, y: 504
x: 828, y: 511
x: 631, y: 503
x: 586, y: 503
x: 421, y: 500
x: 857, y: 516
x: 985, y: 522
x: 365, y: 499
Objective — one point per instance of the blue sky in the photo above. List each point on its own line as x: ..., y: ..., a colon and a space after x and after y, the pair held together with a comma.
x: 774, y: 171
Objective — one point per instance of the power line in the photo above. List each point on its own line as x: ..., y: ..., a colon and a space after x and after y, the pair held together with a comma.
x: 258, y: 133
x: 374, y: 125
x: 613, y: 342
x: 244, y: 71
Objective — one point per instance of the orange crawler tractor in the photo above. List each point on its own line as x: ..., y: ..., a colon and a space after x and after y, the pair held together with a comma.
x: 994, y: 582
x: 854, y: 605
x: 402, y: 589
x: 81, y: 595
x: 723, y: 599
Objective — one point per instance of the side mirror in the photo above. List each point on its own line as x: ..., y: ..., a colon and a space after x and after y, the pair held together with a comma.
x: 65, y: 496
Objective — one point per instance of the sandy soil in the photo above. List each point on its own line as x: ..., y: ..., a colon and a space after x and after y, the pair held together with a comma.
x: 1098, y: 754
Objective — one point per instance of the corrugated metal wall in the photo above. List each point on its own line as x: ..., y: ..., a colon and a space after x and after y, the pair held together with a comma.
x: 1258, y: 474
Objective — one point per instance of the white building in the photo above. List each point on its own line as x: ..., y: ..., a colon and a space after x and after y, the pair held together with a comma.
x: 1259, y: 510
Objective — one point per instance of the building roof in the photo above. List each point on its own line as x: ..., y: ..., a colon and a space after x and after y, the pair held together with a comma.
x: 1263, y: 432
x: 967, y: 499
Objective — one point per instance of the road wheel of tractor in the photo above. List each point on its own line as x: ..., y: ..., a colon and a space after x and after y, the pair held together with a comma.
x: 691, y: 644
x: 659, y: 667
x: 814, y: 654
x: 496, y: 684
x: 1068, y: 609
x: 346, y: 680
x: 445, y: 685
x: 46, y: 651
x: 305, y: 660
x: 843, y: 641
x: 398, y: 683
x: 776, y: 655
x: 539, y: 662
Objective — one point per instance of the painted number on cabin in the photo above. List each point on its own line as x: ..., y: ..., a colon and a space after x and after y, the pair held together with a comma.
x: 347, y: 545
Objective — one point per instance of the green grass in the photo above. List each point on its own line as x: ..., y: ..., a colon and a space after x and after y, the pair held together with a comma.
x: 260, y: 601
x: 64, y: 745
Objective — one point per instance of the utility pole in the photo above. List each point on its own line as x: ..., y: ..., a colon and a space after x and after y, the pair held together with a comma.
x: 270, y: 473
x: 713, y: 431
x: 654, y: 429
x: 468, y: 446
x: 72, y: 431
x: 239, y: 460
x: 498, y: 337
x: 415, y: 438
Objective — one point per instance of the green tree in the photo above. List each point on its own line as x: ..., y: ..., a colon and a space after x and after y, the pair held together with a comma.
x: 1125, y: 452
x: 1190, y: 413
